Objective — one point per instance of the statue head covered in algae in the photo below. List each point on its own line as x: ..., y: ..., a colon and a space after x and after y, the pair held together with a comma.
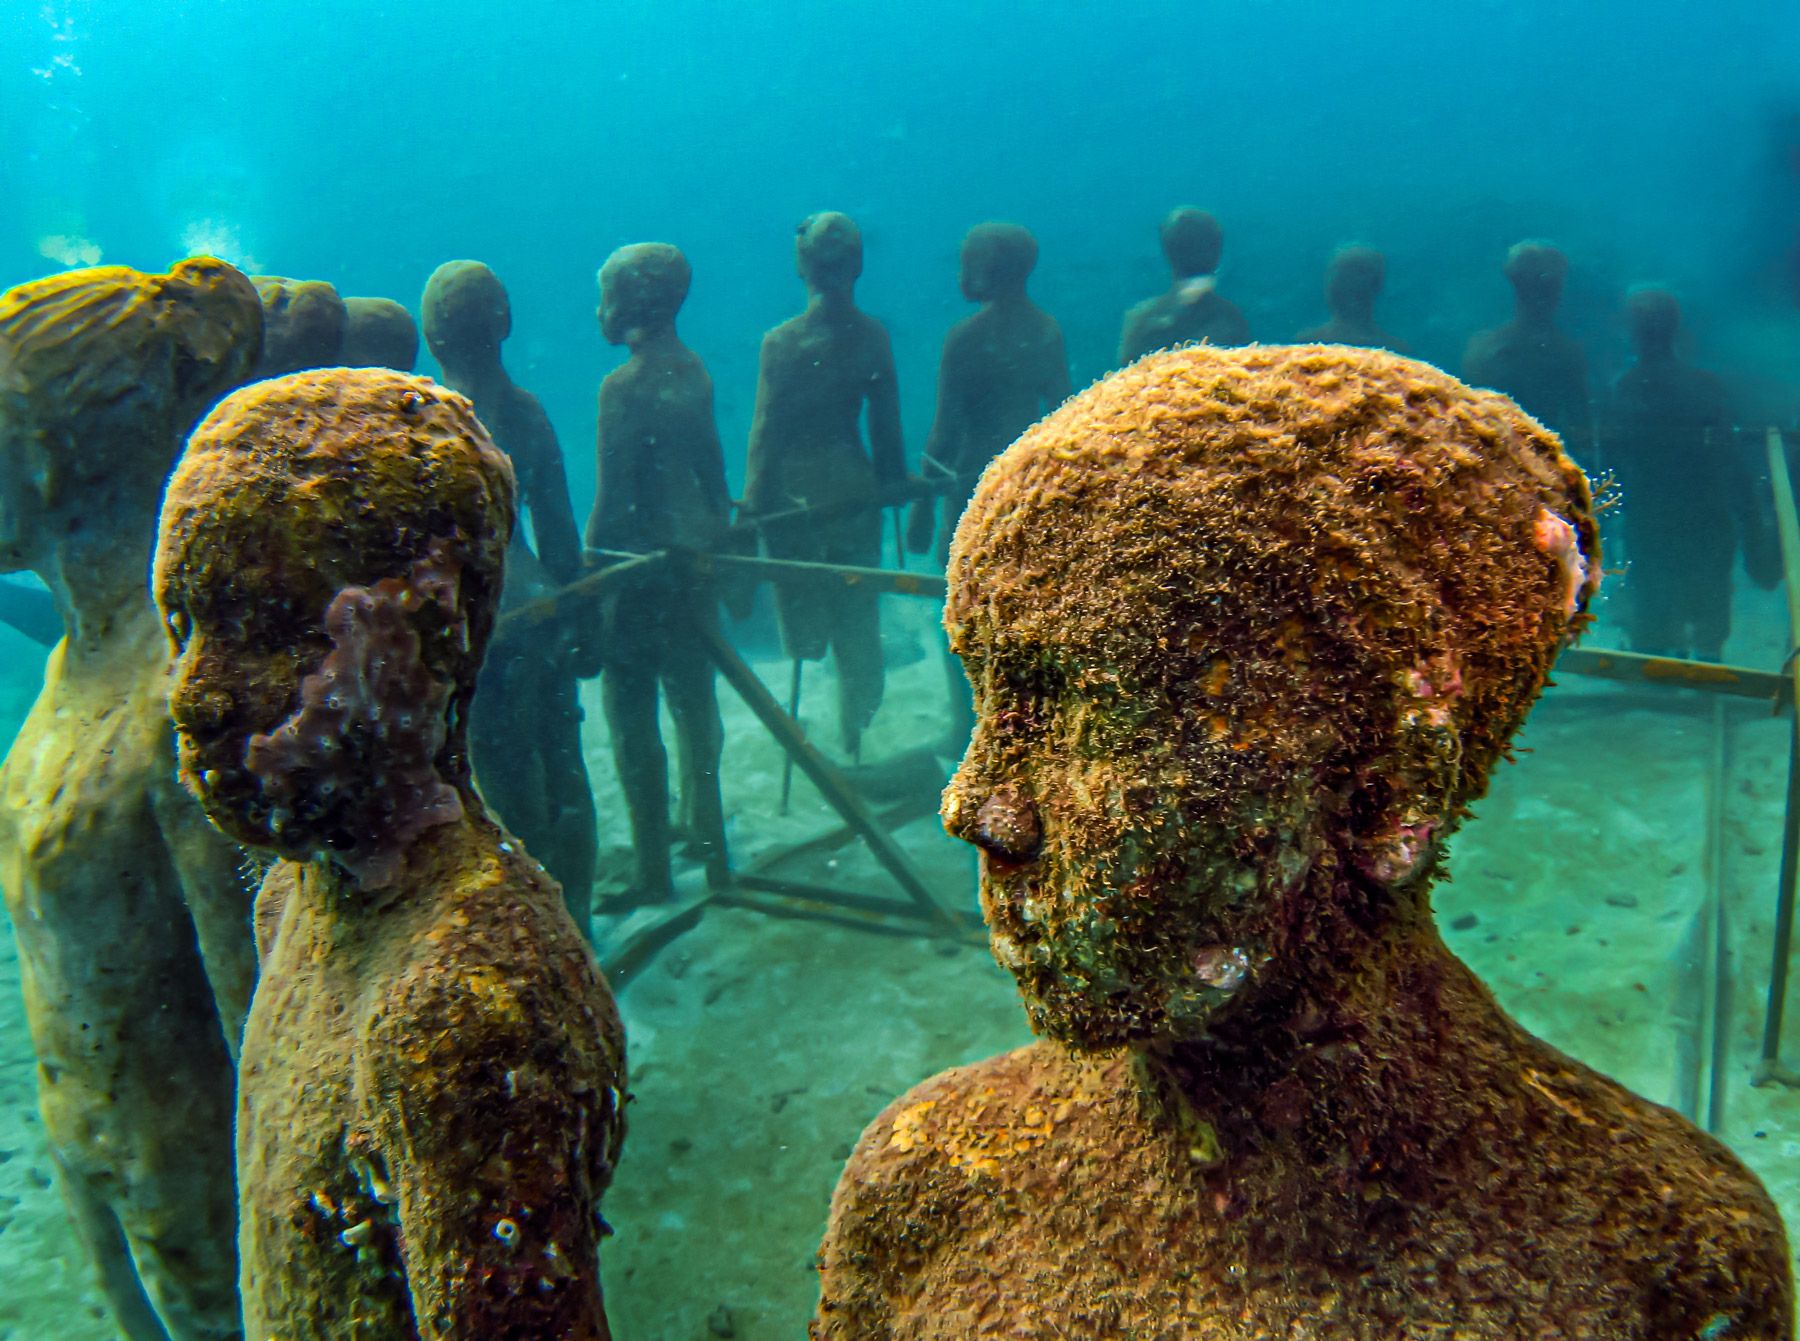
x: 330, y: 591
x: 1248, y: 633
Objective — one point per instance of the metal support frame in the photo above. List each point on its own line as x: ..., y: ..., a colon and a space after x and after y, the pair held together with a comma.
x: 1769, y: 1068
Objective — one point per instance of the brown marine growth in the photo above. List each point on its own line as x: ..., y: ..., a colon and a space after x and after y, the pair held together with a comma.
x: 526, y: 729
x: 432, y: 1081
x: 1249, y: 631
x: 1191, y: 309
x: 304, y: 325
x: 379, y: 333
x: 1531, y: 358
x: 1002, y: 368
x: 133, y: 923
x: 1353, y: 281
x: 819, y: 373
x: 661, y: 485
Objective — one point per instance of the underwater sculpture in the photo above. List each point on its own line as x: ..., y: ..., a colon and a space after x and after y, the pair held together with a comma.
x: 431, y: 1089
x: 1249, y: 629
x: 379, y: 333
x: 661, y: 485
x: 526, y: 729
x: 1531, y: 358
x: 133, y: 923
x: 1192, y: 309
x: 817, y: 373
x: 304, y: 323
x: 1002, y: 368
x: 1690, y: 501
x: 1353, y: 282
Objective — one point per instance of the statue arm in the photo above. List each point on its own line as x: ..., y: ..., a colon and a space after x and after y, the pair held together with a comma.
x: 886, y: 446
x: 496, y: 1153
x: 544, y: 486
x: 759, y: 467
x: 608, y: 524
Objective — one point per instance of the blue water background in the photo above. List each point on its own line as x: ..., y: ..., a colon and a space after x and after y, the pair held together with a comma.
x: 365, y: 143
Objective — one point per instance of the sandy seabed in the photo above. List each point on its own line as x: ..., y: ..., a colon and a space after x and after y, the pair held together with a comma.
x: 760, y: 1046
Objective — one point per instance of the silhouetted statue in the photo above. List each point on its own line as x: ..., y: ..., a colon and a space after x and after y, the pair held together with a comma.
x: 1192, y: 308
x: 818, y: 372
x: 379, y: 333
x: 526, y: 731
x: 432, y: 1091
x: 1002, y: 368
x: 1688, y: 501
x: 1249, y: 630
x: 1530, y: 358
x: 303, y: 325
x: 661, y: 486
x: 1352, y: 284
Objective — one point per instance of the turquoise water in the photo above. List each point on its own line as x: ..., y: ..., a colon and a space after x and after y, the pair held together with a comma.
x: 364, y: 144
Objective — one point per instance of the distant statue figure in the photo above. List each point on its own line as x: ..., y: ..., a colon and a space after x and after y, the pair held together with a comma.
x: 1192, y: 309
x: 526, y: 732
x: 1353, y: 282
x: 133, y: 923
x: 818, y: 374
x: 1003, y: 368
x: 433, y: 1071
x: 379, y: 333
x: 304, y: 322
x: 661, y: 486
x: 1531, y: 358
x: 1249, y: 630
x: 1689, y: 503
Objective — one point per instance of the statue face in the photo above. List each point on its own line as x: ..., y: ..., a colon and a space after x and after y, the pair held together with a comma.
x: 1131, y: 901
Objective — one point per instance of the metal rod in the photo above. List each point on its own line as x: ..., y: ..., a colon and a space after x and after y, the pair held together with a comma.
x: 787, y: 759
x: 824, y: 776
x: 1719, y: 1037
x: 589, y: 586
x: 1736, y: 681
x: 1787, y: 525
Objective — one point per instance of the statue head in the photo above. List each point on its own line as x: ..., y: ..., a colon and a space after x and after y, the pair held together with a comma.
x: 1654, y: 316
x: 642, y: 287
x: 828, y: 251
x: 465, y: 313
x: 1248, y: 630
x: 997, y: 259
x: 329, y: 567
x: 102, y: 373
x: 1537, y: 270
x: 1192, y: 241
x: 1353, y: 282
x: 379, y: 333
x: 303, y: 325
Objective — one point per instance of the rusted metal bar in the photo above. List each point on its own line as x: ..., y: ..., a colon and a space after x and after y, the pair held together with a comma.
x: 621, y: 959
x: 559, y: 604
x: 823, y: 775
x: 1736, y: 681
x: 815, y: 910
x: 1787, y: 525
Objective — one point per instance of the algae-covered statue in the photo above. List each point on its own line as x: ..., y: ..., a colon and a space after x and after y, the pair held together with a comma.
x: 133, y: 922
x: 1249, y: 630
x: 661, y: 485
x: 820, y: 372
x: 430, y: 1099
x: 1353, y: 281
x: 526, y: 729
x: 1192, y: 309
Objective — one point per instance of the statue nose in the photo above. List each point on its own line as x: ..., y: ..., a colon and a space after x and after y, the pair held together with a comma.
x: 1007, y: 827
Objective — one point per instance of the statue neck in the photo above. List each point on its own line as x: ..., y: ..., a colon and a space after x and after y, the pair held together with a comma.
x: 1350, y: 1053
x: 101, y: 583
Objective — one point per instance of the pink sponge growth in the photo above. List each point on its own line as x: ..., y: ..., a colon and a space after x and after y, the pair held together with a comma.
x: 357, y: 760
